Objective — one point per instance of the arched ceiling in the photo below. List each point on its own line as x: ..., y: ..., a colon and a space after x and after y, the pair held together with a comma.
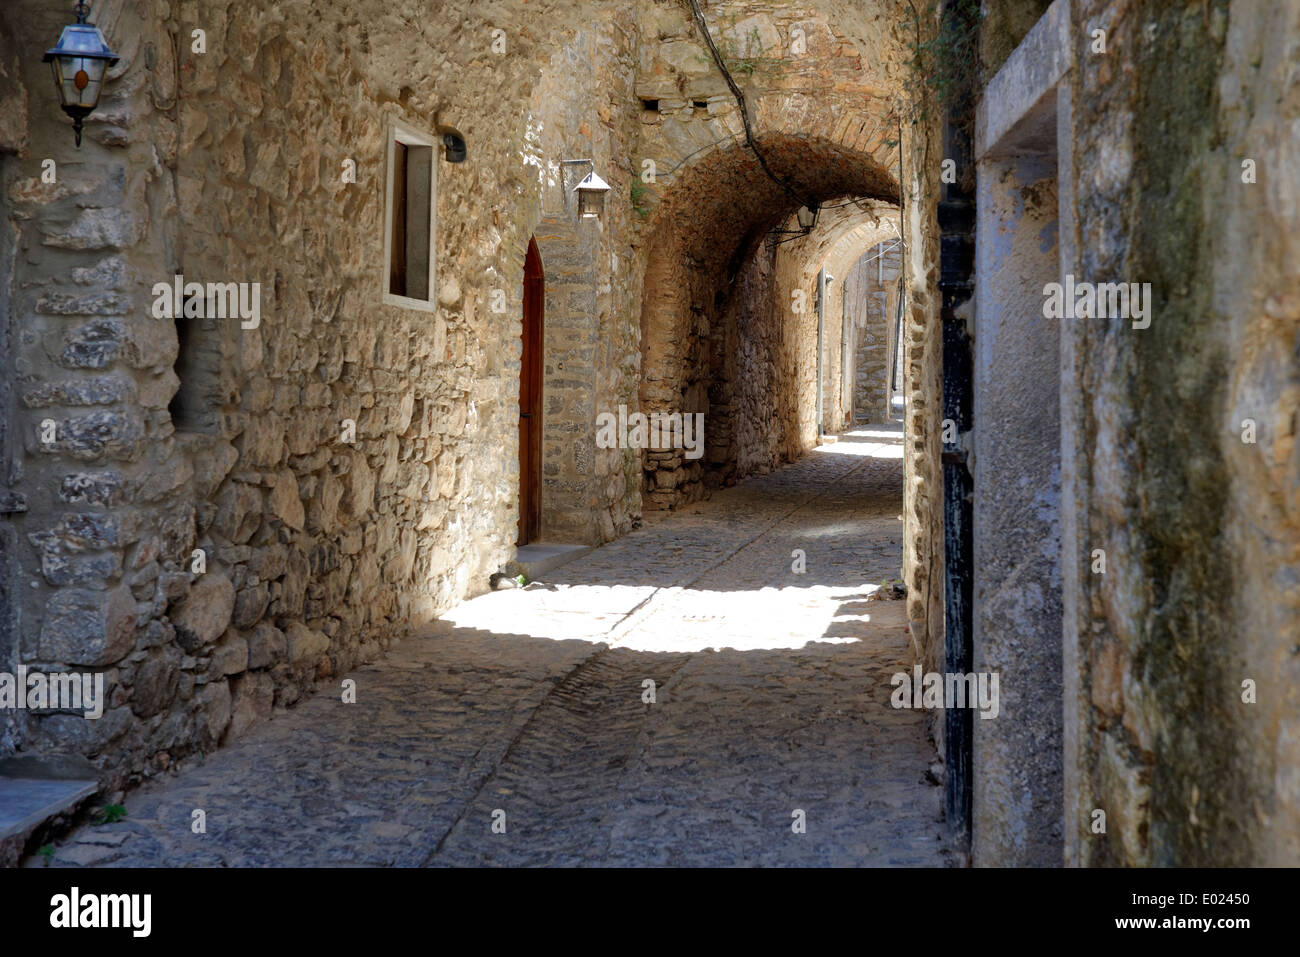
x: 726, y: 199
x: 844, y: 234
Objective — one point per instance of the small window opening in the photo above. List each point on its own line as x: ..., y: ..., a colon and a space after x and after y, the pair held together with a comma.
x: 410, y: 239
x: 651, y: 106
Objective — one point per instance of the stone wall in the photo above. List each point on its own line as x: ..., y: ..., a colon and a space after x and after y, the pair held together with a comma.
x: 13, y: 140
x: 317, y: 546
x: 1166, y: 164
x: 834, y: 400
x: 593, y: 278
x: 228, y: 515
x: 1200, y: 528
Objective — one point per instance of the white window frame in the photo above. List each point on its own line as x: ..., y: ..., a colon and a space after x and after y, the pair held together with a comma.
x: 399, y: 132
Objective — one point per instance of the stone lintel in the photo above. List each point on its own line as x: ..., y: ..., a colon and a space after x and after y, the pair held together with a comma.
x: 1023, y: 88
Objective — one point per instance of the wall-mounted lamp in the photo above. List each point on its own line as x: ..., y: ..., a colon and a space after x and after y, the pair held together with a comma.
x: 806, y: 216
x: 79, y: 63
x: 454, y: 148
x: 591, y: 191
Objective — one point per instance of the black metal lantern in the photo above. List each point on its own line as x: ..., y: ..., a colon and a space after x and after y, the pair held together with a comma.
x: 454, y: 147
x: 806, y: 218
x: 79, y: 63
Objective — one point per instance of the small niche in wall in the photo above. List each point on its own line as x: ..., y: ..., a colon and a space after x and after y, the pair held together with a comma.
x: 650, y: 106
x: 196, y: 406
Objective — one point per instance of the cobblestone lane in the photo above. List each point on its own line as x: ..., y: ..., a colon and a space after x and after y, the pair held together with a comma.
x: 525, y: 709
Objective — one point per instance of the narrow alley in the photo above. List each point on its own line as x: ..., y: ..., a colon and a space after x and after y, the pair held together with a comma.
x: 441, y: 435
x: 528, y: 709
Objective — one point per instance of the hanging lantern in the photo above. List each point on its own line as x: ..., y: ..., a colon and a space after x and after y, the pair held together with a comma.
x: 79, y: 63
x: 591, y: 196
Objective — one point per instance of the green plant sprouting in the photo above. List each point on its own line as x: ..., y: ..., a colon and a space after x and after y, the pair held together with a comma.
x: 946, y: 58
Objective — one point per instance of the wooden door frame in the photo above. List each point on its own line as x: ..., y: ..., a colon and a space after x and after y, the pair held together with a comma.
x: 530, y: 397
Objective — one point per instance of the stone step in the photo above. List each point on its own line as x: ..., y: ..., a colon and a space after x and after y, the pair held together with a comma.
x: 34, y: 789
x: 539, y: 558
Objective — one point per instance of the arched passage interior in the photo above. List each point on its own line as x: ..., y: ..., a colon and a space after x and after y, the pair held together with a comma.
x: 730, y: 311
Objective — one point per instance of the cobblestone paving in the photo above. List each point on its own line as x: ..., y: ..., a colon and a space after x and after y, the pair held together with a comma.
x: 524, y: 709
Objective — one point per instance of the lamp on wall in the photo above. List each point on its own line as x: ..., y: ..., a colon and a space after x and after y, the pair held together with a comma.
x: 79, y: 63
x: 454, y: 147
x: 591, y: 191
x: 806, y: 218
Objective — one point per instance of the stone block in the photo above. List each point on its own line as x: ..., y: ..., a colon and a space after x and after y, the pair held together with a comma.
x: 230, y: 656
x: 305, y: 644
x: 84, y: 627
x: 266, y: 646
x: 204, y: 614
x: 252, y: 697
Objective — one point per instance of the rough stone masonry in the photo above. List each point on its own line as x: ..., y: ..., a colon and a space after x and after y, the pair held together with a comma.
x: 229, y: 512
x: 218, y: 514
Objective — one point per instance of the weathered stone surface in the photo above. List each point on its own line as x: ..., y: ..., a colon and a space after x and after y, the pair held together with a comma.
x: 202, y: 616
x: 95, y: 229
x: 266, y: 646
x: 90, y: 738
x: 214, y: 704
x: 285, y: 502
x: 304, y: 644
x: 92, y: 488
x: 212, y: 464
x: 155, y: 683
x: 89, y: 304
x: 96, y: 391
x: 239, y: 511
x: 13, y: 103
x: 84, y: 627
x: 250, y: 605
x: 251, y: 698
x: 230, y: 657
x: 63, y: 569
x: 97, y: 435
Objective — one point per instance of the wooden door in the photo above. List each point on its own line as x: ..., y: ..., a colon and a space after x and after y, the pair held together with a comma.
x: 530, y: 400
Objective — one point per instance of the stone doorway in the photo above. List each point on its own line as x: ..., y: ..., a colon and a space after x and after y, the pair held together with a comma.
x: 530, y: 398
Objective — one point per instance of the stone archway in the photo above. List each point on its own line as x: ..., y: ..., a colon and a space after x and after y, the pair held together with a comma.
x: 728, y: 316
x: 841, y: 94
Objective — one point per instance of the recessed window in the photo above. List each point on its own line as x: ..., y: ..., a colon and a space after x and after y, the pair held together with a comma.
x: 409, y: 215
x: 700, y: 104
x: 651, y: 106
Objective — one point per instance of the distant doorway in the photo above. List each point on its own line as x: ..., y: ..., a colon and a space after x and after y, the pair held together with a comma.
x: 530, y: 399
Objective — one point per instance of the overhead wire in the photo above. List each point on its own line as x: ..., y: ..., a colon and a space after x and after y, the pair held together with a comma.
x: 736, y: 92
